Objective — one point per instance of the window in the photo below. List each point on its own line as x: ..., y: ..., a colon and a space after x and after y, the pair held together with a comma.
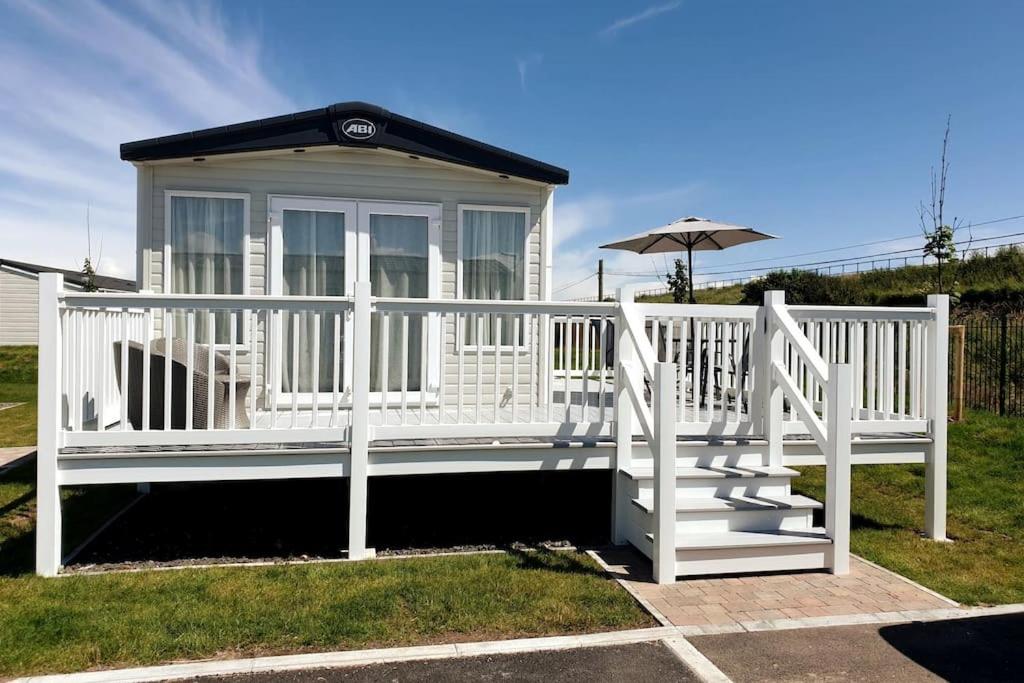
x: 206, y: 251
x: 492, y: 266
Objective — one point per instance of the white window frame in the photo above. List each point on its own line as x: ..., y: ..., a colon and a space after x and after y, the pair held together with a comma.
x: 461, y: 344
x: 165, y: 276
x: 276, y: 205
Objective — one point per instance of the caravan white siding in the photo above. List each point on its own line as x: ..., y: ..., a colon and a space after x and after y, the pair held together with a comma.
x: 19, y: 308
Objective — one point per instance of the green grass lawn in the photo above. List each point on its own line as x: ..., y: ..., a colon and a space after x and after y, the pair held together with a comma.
x: 79, y: 622
x: 18, y: 385
x: 985, y: 562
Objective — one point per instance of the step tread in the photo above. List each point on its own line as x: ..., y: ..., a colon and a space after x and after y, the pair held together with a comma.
x: 749, y: 539
x: 716, y: 472
x: 723, y: 504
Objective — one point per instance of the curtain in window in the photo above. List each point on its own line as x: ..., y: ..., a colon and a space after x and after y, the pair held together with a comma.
x: 399, y: 260
x: 493, y: 266
x: 207, y: 242
x: 313, y: 264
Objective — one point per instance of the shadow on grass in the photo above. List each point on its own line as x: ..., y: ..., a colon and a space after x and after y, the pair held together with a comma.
x: 978, y: 649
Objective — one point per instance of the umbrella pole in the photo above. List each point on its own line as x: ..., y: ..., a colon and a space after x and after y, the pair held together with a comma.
x: 689, y: 271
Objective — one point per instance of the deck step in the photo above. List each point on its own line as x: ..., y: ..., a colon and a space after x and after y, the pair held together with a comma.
x: 715, y: 472
x: 736, y: 503
x: 749, y: 539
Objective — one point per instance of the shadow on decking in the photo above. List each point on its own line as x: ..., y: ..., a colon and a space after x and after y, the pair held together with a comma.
x: 235, y: 521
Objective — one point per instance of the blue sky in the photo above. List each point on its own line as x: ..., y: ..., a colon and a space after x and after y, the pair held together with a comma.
x: 818, y: 122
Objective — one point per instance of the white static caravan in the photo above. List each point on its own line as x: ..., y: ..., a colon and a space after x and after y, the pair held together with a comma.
x: 347, y: 292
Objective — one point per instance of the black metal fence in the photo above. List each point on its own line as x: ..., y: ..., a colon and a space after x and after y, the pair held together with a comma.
x: 993, y: 364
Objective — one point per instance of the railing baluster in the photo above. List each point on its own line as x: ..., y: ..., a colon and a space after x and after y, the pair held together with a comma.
x: 696, y: 386
x: 460, y: 346
x: 442, y: 380
x: 124, y: 370
x: 404, y: 369
x: 550, y: 370
x: 295, y: 370
x: 425, y: 360
x: 915, y: 370
x: 147, y: 364
x: 515, y: 368
x: 585, y: 367
x: 567, y: 362
x: 872, y: 374
x: 210, y: 368
x: 314, y: 418
x: 601, y: 350
x: 901, y: 411
x: 232, y: 367
x: 533, y: 348
x: 190, y: 340
x: 738, y: 378
x: 253, y: 319
x: 497, y: 366
x: 336, y: 368
x: 479, y: 366
x: 385, y: 335
x: 276, y: 361
x: 709, y: 362
x: 168, y: 356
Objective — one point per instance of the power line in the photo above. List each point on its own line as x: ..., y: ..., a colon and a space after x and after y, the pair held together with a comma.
x: 562, y: 289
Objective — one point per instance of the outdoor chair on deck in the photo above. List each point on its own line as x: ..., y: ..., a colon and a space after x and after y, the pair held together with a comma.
x: 179, y: 376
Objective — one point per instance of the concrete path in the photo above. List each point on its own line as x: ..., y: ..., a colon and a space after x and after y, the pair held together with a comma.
x: 639, y: 662
x: 977, y: 649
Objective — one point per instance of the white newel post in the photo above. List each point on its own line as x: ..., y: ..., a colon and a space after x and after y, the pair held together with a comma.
x: 837, y: 464
x: 48, y: 514
x: 664, y: 452
x: 937, y: 405
x: 771, y: 396
x: 623, y: 423
x: 359, y: 434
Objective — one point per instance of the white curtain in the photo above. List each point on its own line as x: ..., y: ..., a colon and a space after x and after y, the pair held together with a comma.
x: 207, y: 241
x: 313, y: 264
x: 399, y: 260
x: 493, y: 266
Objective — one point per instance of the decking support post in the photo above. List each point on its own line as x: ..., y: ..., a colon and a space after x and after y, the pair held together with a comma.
x: 664, y: 452
x: 838, y: 416
x: 359, y: 431
x: 48, y: 513
x: 771, y: 393
x: 937, y: 406
x: 624, y: 419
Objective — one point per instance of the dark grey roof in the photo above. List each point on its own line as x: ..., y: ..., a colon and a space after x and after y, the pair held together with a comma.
x: 328, y: 126
x: 72, y: 277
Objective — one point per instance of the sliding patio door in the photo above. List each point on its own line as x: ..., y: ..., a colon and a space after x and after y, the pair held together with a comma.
x: 321, y: 247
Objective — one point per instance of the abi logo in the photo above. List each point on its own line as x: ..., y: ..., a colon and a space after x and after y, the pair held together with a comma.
x: 359, y: 129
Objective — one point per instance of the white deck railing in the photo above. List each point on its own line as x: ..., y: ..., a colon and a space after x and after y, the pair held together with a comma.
x: 343, y: 372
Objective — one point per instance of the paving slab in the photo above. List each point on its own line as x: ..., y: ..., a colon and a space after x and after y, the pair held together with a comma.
x: 639, y: 662
x: 737, y: 603
x: 16, y: 455
x: 974, y: 649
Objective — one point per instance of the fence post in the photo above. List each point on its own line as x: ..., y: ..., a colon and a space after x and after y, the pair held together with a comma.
x: 837, y: 464
x: 771, y: 393
x: 360, y: 430
x: 50, y: 410
x: 958, y: 334
x: 664, y: 452
x: 937, y: 399
x: 1002, y: 364
x: 624, y: 420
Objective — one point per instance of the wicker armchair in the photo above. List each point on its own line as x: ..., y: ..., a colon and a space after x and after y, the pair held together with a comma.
x: 179, y: 376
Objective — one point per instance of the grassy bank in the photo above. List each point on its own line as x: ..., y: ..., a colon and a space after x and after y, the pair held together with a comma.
x: 985, y: 562
x: 18, y: 385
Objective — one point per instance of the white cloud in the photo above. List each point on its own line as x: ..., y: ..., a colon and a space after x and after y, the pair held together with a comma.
x: 524, y: 64
x: 612, y: 29
x: 83, y: 77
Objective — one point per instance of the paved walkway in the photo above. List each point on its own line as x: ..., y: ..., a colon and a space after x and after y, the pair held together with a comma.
x: 740, y: 602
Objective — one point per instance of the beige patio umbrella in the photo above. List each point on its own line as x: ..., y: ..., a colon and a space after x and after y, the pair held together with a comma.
x: 692, y: 234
